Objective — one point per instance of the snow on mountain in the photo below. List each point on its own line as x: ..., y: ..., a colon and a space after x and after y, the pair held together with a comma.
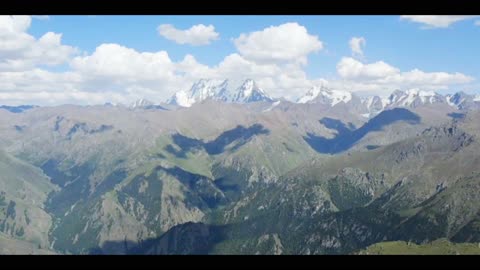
x: 457, y: 99
x: 310, y: 95
x: 274, y: 104
x: 247, y: 92
x: 201, y: 90
x: 141, y: 103
x: 325, y: 95
x: 462, y: 100
x: 374, y: 105
x: 413, y: 98
x: 205, y: 89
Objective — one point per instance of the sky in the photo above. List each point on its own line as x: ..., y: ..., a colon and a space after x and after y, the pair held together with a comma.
x: 86, y: 60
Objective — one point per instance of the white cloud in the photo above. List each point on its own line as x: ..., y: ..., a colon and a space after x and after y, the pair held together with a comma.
x: 122, y: 63
x: 350, y: 68
x: 274, y: 57
x: 356, y: 45
x: 477, y: 23
x: 21, y: 51
x: 436, y: 21
x: 383, y: 78
x: 197, y: 35
x: 65, y: 97
x: 287, y: 80
x: 286, y: 42
x: 151, y: 75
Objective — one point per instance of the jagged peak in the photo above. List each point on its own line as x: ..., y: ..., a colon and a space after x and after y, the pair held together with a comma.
x: 334, y: 96
x: 220, y: 90
x: 141, y: 103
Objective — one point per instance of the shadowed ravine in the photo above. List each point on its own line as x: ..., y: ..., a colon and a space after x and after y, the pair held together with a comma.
x: 240, y: 135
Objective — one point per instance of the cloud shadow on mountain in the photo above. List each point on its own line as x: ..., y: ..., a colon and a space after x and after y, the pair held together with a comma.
x: 239, y: 135
x: 455, y: 115
x: 187, y: 238
x: 346, y: 137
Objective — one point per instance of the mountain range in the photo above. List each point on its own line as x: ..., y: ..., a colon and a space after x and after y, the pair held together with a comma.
x: 249, y: 92
x: 228, y: 169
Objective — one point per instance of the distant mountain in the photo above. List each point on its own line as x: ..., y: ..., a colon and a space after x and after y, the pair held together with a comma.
x: 321, y: 94
x: 145, y: 104
x: 341, y: 101
x: 371, y: 106
x: 17, y: 109
x: 199, y: 91
x: 374, y: 105
x: 248, y: 92
x: 367, y: 107
x: 413, y: 98
x: 141, y: 103
x: 219, y: 90
x: 462, y: 100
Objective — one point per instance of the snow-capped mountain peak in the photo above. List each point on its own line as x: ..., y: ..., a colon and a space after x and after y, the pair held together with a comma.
x: 247, y: 87
x: 325, y: 95
x: 249, y: 92
x: 425, y: 96
x: 375, y: 101
x: 204, y: 89
x: 414, y: 97
x: 311, y: 94
x: 201, y: 90
x: 337, y: 96
x: 457, y: 99
x: 140, y: 103
x: 375, y: 104
x: 462, y: 100
x: 220, y: 90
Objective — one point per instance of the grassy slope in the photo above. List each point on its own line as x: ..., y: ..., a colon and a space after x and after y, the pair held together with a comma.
x: 24, y: 190
x: 438, y: 247
x: 20, y: 247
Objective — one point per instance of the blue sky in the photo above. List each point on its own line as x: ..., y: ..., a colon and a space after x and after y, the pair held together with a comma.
x: 405, y: 44
x: 390, y: 39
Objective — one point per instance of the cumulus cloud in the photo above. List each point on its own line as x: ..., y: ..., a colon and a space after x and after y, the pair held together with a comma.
x: 350, y: 68
x: 274, y: 57
x: 286, y: 42
x: 196, y: 35
x: 152, y: 75
x: 382, y: 77
x: 287, y: 80
x: 436, y: 21
x: 122, y: 63
x: 356, y: 45
x: 65, y: 97
x: 21, y: 51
